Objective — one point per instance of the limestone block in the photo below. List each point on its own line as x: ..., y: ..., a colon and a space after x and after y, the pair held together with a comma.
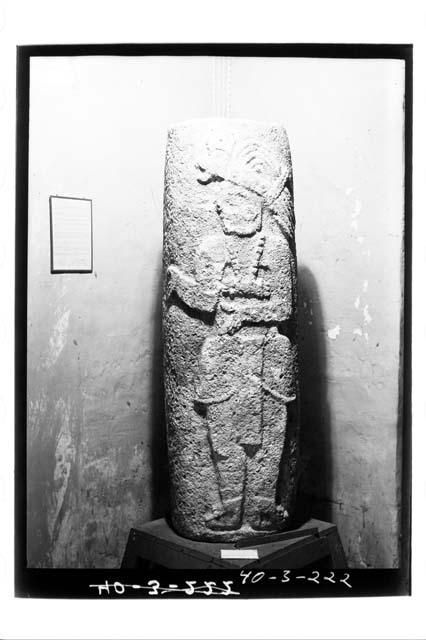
x: 230, y: 328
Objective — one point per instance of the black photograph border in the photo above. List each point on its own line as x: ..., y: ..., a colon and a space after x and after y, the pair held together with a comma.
x: 75, y: 583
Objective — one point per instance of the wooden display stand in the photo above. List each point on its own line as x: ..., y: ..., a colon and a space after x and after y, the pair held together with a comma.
x: 156, y: 545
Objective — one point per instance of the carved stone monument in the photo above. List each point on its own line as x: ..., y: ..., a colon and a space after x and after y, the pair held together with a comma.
x: 230, y: 328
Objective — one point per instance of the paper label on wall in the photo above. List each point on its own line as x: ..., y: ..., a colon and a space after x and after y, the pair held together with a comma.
x: 71, y: 234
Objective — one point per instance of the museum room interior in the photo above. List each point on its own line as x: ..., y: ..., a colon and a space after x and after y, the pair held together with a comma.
x: 97, y: 461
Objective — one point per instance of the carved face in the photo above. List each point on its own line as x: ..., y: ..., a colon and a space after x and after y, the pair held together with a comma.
x: 240, y: 211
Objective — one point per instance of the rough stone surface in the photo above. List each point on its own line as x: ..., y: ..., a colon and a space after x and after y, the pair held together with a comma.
x: 230, y: 328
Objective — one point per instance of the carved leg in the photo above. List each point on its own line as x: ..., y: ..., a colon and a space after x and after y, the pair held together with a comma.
x: 229, y: 462
x: 263, y: 467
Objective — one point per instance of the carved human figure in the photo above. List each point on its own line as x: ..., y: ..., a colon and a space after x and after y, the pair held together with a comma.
x: 242, y: 282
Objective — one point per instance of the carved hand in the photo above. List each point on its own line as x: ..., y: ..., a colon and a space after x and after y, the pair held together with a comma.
x: 231, y: 323
x: 260, y: 288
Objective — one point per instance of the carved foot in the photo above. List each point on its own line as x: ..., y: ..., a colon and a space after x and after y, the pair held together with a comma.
x: 225, y: 518
x: 266, y: 515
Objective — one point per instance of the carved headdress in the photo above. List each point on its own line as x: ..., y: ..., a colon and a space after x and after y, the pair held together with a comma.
x: 249, y: 164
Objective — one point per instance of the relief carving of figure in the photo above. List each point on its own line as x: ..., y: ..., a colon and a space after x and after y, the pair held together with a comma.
x: 244, y: 279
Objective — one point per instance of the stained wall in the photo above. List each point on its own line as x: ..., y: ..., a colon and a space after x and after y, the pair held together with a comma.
x: 96, y: 451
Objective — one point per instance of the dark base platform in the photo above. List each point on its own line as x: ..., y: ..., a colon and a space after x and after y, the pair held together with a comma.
x: 156, y: 545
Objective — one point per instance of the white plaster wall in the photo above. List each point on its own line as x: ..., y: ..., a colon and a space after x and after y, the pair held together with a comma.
x: 345, y: 124
x: 96, y: 462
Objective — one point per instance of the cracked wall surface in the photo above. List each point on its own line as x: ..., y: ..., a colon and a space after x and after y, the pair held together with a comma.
x: 96, y: 435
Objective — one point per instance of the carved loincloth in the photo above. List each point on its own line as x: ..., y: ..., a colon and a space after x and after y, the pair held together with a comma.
x: 240, y: 369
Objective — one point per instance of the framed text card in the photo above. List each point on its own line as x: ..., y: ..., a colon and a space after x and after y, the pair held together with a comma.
x: 71, y: 233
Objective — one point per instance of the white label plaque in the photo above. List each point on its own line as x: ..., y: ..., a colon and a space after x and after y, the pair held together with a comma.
x: 71, y: 234
x: 238, y: 554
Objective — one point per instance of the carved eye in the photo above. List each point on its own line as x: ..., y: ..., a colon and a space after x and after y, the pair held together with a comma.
x: 207, y: 176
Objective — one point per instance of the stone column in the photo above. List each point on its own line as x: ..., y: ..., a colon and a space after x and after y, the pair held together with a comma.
x: 230, y: 328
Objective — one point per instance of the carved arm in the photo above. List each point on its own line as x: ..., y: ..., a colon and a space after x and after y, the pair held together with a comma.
x: 190, y: 291
x: 257, y: 313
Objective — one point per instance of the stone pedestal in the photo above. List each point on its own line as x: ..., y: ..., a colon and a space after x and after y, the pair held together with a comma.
x: 230, y: 328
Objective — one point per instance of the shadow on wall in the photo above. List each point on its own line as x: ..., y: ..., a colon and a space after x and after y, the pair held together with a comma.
x: 158, y: 451
x: 315, y: 452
